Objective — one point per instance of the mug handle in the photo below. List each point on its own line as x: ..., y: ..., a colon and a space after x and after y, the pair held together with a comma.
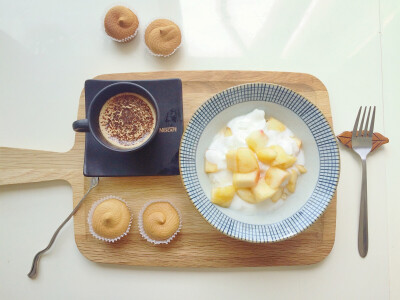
x: 81, y: 125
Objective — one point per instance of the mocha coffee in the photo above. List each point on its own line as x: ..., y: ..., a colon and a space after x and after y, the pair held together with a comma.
x: 127, y: 120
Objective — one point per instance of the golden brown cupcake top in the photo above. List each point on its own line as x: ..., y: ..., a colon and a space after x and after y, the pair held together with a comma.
x: 120, y: 23
x: 111, y: 218
x: 160, y: 220
x: 163, y: 37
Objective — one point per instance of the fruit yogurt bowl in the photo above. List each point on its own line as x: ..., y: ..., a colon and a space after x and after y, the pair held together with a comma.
x: 242, y: 182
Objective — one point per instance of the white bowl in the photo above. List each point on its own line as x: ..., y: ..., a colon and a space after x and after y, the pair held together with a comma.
x: 314, y: 190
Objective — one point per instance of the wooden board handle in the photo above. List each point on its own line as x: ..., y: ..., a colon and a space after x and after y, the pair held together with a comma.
x: 23, y: 166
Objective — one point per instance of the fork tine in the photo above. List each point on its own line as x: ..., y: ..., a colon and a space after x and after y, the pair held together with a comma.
x: 365, y: 132
x: 371, y: 128
x: 356, y: 124
x: 362, y: 122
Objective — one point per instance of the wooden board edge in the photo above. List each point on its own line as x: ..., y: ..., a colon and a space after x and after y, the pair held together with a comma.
x: 234, y: 75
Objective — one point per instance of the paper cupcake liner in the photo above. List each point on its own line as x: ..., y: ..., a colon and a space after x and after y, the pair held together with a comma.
x: 127, y: 39
x: 148, y: 49
x: 90, y: 216
x: 143, y: 232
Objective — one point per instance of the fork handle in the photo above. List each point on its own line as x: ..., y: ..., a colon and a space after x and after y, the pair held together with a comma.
x: 363, y: 221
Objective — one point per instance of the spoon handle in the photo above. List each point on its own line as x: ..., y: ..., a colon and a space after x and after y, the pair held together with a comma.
x: 32, y: 274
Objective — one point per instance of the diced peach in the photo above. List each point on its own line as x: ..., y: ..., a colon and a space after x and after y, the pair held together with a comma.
x: 277, y: 195
x: 223, y: 196
x: 302, y: 169
x: 210, y: 167
x: 246, y: 195
x: 245, y: 180
x: 286, y: 162
x: 266, y: 155
x: 231, y: 161
x: 292, y: 181
x: 274, y: 124
x: 256, y: 140
x: 298, y: 141
x: 274, y: 177
x: 282, y: 160
x: 262, y: 191
x: 246, y: 160
x: 227, y: 132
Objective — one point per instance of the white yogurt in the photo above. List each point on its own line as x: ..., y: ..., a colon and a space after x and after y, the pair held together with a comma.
x: 241, y: 128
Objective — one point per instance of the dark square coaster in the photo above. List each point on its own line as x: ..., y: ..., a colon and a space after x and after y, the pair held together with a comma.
x: 160, y: 156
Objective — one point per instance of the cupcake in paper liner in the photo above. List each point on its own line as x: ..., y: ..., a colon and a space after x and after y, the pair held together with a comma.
x: 162, y: 37
x: 121, y: 24
x: 109, y: 219
x: 159, y: 222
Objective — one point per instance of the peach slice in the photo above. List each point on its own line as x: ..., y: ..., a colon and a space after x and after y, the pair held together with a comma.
x: 246, y: 195
x: 302, y: 169
x: 231, y: 161
x: 274, y: 177
x: 223, y: 196
x: 210, y: 167
x: 246, y: 160
x: 274, y: 124
x: 227, y: 132
x: 245, y: 180
x: 277, y: 195
x: 266, y: 155
x: 292, y: 181
x: 256, y: 140
x: 262, y: 191
x: 282, y: 160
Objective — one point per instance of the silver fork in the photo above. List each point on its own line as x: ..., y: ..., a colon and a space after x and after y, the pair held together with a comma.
x: 361, y: 141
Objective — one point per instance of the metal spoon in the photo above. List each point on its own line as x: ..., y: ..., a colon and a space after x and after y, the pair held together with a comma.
x: 32, y: 274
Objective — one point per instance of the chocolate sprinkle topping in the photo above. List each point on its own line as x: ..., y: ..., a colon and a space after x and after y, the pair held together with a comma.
x: 127, y: 118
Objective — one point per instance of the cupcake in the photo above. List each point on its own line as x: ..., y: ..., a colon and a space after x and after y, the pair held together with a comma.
x: 162, y: 37
x: 109, y: 219
x: 159, y: 222
x: 121, y: 24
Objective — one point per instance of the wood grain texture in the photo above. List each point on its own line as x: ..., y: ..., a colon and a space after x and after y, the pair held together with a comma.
x: 198, y: 244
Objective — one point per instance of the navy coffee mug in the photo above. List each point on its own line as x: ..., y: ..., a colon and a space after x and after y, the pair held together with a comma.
x: 91, y: 124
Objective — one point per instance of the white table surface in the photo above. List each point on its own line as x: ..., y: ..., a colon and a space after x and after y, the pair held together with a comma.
x: 49, y: 48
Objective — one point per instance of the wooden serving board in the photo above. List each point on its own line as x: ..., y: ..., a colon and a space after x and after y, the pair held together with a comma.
x: 198, y: 244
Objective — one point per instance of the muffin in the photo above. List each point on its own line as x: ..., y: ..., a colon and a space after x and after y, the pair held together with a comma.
x: 159, y: 222
x: 121, y: 24
x: 109, y: 219
x: 162, y: 37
